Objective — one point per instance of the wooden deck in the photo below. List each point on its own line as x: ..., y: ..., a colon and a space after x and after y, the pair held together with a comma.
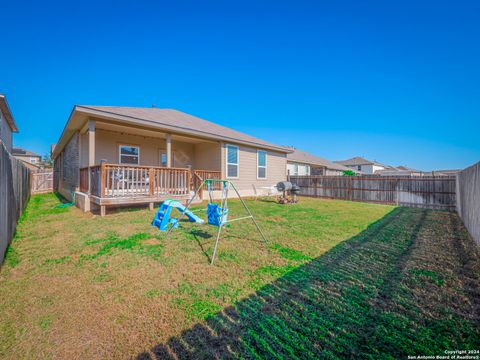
x: 114, y: 184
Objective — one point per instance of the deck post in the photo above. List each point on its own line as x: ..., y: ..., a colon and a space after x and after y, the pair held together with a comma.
x: 151, y: 176
x: 169, y: 150
x: 150, y: 206
x: 102, y: 210
x: 102, y: 179
x: 91, y: 151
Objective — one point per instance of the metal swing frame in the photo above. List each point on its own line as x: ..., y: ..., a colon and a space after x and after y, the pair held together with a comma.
x: 224, y: 205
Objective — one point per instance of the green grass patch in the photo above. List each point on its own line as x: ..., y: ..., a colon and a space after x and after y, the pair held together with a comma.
x: 135, y: 243
x: 12, y: 257
x: 290, y: 254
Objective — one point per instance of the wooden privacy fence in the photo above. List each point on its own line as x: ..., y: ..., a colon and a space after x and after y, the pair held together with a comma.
x: 423, y: 192
x: 468, y: 199
x: 14, y: 195
x: 42, y: 182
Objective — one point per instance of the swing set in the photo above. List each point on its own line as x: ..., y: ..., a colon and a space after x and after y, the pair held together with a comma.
x: 217, y: 213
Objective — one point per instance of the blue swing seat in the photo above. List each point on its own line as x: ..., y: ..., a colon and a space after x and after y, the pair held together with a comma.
x: 216, y: 215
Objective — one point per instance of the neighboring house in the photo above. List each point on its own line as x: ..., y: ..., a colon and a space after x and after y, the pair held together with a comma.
x: 303, y: 163
x: 365, y: 166
x: 400, y: 171
x: 121, y: 155
x: 7, y: 124
x: 451, y: 172
x: 27, y: 156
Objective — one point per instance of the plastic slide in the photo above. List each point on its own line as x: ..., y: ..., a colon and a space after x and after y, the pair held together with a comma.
x: 162, y: 217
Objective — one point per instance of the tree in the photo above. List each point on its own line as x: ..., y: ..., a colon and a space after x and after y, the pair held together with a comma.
x: 47, y: 160
x: 349, y: 173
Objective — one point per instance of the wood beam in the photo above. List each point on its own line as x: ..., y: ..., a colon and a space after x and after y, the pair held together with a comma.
x: 169, y: 150
x: 91, y: 143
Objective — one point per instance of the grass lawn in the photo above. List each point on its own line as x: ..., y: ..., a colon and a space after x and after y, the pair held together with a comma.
x: 337, y: 279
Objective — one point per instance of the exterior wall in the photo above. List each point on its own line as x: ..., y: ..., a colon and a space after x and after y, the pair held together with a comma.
x: 29, y: 159
x: 294, y: 168
x: 5, y: 133
x: 366, y: 169
x: 107, y: 148
x: 67, y: 168
x: 84, y: 149
x: 208, y: 156
x: 317, y: 170
x: 332, y: 172
x: 247, y: 174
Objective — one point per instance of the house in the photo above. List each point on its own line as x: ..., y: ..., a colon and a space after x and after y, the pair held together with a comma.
x: 7, y: 124
x: 303, y: 163
x: 109, y: 156
x: 399, y: 171
x: 365, y: 166
x: 27, y: 156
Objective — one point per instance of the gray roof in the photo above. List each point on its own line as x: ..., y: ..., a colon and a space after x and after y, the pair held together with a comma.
x: 16, y: 151
x: 180, y: 122
x: 5, y: 109
x: 306, y: 158
x: 406, y: 168
x: 357, y: 160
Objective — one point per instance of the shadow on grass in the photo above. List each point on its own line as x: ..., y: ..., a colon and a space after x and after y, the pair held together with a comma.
x: 61, y: 198
x: 354, y: 301
x: 200, y: 234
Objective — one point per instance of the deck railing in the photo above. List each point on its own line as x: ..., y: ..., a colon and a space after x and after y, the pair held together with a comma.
x: 114, y: 180
x: 200, y: 175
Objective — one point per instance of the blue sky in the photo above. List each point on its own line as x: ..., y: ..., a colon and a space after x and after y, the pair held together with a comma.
x: 398, y: 82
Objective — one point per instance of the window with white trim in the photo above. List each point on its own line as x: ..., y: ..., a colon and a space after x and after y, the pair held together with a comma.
x: 261, y: 164
x: 129, y: 155
x: 232, y: 161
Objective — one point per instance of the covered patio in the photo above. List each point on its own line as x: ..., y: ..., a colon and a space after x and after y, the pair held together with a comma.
x: 123, y: 165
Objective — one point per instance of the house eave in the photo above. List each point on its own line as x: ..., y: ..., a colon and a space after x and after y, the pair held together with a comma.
x: 80, y: 114
x: 5, y: 109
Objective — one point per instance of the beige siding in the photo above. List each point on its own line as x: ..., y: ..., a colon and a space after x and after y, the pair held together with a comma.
x: 5, y: 133
x: 276, y: 169
x: 107, y: 148
x: 208, y: 156
x: 84, y: 150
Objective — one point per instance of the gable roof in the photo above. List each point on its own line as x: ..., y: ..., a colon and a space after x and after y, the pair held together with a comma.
x: 7, y: 114
x: 406, y: 168
x: 22, y: 152
x: 168, y: 120
x: 358, y: 160
x: 304, y: 157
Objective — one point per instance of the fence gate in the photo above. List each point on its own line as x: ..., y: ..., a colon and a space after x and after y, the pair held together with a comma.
x: 42, y: 182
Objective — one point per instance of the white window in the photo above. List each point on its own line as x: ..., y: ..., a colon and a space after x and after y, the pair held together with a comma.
x: 232, y: 161
x: 261, y: 164
x: 33, y: 160
x: 129, y: 155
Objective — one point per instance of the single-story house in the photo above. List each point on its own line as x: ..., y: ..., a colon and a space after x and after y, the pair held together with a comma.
x: 400, y: 171
x: 363, y: 165
x: 26, y: 156
x: 110, y: 155
x: 302, y: 163
x: 7, y: 124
